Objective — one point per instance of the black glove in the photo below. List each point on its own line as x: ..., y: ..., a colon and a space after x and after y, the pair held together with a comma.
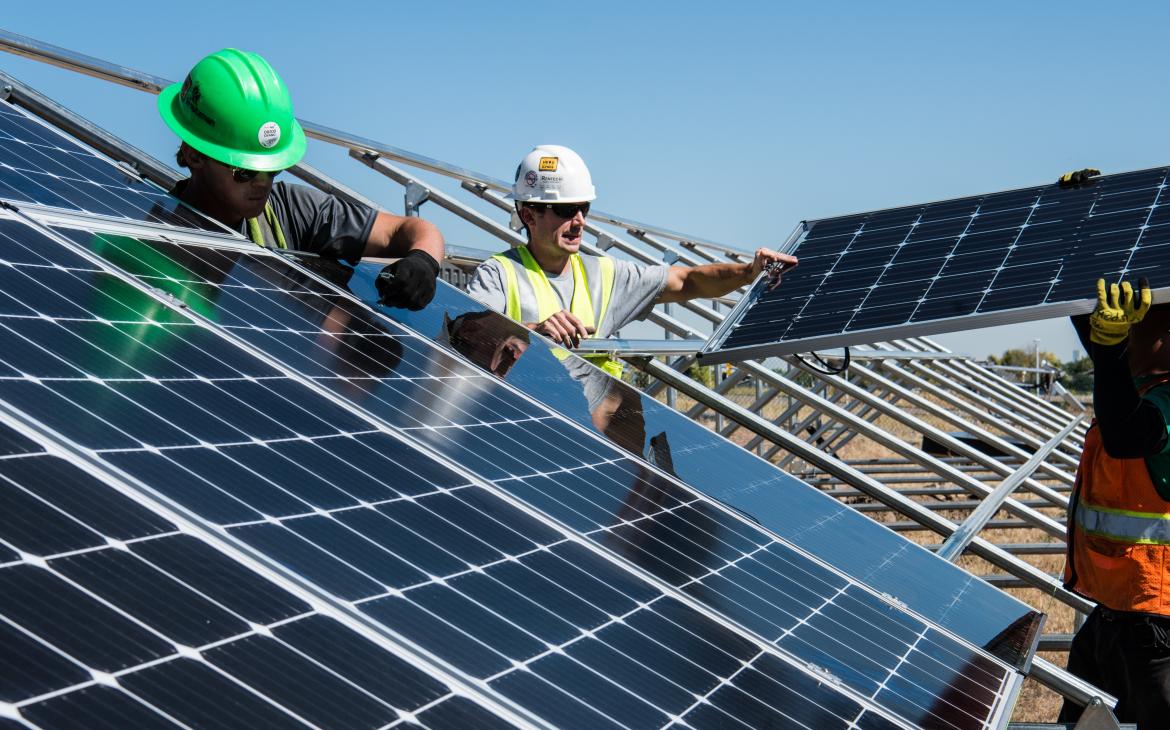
x: 408, y: 282
x: 1070, y: 179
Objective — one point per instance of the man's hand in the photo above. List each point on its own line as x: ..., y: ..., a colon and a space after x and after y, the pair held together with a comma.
x: 1117, y: 311
x: 1069, y: 179
x: 563, y: 328
x: 408, y: 282
x: 772, y: 263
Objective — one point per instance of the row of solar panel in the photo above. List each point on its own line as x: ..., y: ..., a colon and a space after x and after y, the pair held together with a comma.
x: 409, y: 542
x: 1021, y: 250
x: 320, y: 456
x: 705, y: 460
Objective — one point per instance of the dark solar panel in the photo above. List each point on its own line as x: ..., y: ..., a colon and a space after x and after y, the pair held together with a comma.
x: 41, y: 165
x: 471, y: 527
x: 804, y: 611
x: 523, y: 609
x: 112, y: 616
x: 640, y: 425
x: 957, y: 264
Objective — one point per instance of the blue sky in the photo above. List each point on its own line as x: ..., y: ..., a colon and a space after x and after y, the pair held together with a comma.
x: 732, y: 122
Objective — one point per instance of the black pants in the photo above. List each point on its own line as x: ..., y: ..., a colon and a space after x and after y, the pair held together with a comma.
x: 1127, y: 655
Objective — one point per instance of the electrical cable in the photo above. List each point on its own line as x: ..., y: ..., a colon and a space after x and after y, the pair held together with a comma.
x: 825, y: 368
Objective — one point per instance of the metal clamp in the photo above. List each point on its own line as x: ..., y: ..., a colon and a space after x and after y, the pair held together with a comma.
x: 605, y: 241
x: 414, y: 197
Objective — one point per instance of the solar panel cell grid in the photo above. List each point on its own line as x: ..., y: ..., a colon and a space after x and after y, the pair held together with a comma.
x: 112, y: 617
x: 494, y: 440
x: 40, y: 165
x: 325, y: 486
x: 1007, y: 254
x: 205, y: 468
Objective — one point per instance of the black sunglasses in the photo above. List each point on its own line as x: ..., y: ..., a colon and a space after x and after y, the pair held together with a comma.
x: 241, y: 175
x: 564, y: 210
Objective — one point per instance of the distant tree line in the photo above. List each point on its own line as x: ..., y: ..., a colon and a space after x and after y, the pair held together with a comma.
x: 1075, y: 375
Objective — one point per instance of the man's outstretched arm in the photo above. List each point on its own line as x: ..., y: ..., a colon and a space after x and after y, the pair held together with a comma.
x: 714, y: 280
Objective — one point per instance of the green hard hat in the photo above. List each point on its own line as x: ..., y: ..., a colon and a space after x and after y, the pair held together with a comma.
x: 233, y: 108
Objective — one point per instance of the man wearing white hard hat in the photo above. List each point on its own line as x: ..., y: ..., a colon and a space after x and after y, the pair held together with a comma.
x: 553, y: 289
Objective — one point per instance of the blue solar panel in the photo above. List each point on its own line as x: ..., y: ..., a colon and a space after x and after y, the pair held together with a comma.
x: 41, y: 165
x: 468, y: 418
x: 504, y: 564
x: 957, y: 264
x: 525, y: 610
x: 935, y: 589
x: 114, y: 616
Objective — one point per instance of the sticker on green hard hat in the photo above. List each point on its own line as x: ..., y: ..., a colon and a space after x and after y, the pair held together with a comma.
x: 269, y: 134
x: 234, y: 108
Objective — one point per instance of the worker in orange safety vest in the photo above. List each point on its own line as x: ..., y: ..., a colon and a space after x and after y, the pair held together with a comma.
x: 1119, y: 513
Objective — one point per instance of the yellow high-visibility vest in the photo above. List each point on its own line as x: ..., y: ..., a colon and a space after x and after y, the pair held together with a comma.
x: 547, y: 303
x: 258, y: 234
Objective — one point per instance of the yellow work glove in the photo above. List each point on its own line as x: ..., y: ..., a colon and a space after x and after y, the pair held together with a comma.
x: 1070, y: 179
x: 1117, y: 311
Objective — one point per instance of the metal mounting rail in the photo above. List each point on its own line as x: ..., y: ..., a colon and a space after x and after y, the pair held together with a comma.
x: 954, y: 545
x: 956, y: 476
x: 627, y: 347
x: 922, y: 517
x: 64, y: 58
x: 971, y: 427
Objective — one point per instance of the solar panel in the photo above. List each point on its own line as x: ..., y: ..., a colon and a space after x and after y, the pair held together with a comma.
x: 936, y: 589
x: 39, y: 164
x: 115, y: 616
x: 973, y: 262
x: 285, y: 458
x: 463, y: 563
x: 518, y: 607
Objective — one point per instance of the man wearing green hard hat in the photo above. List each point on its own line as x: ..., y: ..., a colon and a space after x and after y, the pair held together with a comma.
x: 235, y: 119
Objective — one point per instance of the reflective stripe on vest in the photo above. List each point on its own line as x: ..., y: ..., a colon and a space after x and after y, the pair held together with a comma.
x: 267, y: 231
x: 1139, y: 528
x: 538, y: 301
x: 1118, y: 533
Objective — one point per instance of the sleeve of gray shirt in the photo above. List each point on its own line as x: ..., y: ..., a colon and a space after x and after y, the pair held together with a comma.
x: 321, y: 223
x: 487, y: 286
x: 635, y: 289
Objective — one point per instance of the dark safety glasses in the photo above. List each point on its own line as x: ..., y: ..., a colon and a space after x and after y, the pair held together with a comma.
x: 565, y: 210
x: 241, y: 175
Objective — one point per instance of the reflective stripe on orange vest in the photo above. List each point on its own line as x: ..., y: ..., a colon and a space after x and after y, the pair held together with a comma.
x: 1140, y: 528
x: 1118, y: 533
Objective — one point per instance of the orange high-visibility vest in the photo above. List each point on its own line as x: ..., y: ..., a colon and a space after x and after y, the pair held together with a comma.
x: 1118, y: 533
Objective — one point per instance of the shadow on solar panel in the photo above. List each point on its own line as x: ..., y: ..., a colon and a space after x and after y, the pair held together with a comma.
x: 958, y: 264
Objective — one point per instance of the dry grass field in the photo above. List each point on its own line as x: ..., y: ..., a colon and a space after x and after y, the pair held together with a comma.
x: 1036, y: 703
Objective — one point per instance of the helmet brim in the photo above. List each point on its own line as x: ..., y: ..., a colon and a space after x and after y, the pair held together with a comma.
x: 286, y: 156
x: 575, y: 199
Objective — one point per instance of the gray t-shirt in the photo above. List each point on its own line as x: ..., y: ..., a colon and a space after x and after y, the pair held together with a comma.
x: 316, y: 221
x: 635, y: 289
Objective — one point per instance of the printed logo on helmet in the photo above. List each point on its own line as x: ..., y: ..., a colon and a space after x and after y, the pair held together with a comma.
x: 548, y: 164
x: 530, y: 178
x: 269, y: 134
x: 190, y: 96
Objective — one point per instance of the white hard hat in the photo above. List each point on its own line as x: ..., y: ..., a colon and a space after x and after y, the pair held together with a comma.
x: 551, y: 173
